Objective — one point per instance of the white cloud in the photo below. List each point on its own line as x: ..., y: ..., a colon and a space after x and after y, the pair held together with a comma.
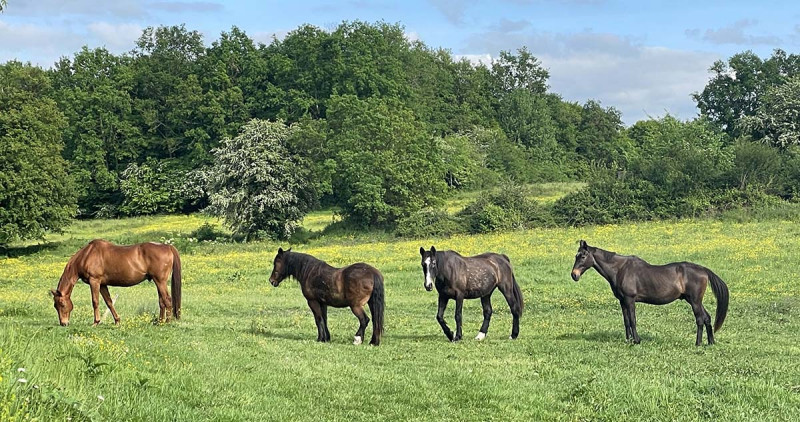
x: 116, y: 38
x: 733, y: 34
x: 39, y: 44
x: 638, y: 80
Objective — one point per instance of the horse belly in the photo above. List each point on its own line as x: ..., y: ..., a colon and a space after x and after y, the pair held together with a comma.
x: 480, y: 285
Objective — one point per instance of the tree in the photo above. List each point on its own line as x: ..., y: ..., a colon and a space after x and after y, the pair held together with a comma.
x: 36, y: 194
x: 600, y: 137
x: 387, y: 167
x: 521, y: 71
x: 93, y: 91
x: 738, y: 85
x: 777, y: 118
x: 256, y: 185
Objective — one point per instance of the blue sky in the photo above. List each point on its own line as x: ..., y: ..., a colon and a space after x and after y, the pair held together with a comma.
x: 644, y: 58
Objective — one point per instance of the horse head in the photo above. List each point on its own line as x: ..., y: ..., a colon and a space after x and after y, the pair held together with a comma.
x: 583, y: 261
x: 430, y: 266
x: 280, y: 270
x: 63, y: 305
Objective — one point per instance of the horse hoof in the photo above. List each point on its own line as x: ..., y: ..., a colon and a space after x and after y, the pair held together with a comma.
x: 481, y: 335
x: 357, y: 340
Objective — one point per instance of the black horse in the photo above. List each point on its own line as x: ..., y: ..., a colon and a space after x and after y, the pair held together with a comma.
x: 634, y: 280
x: 460, y: 278
x: 323, y: 285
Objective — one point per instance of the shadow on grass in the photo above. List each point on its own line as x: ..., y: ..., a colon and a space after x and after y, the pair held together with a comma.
x: 596, y: 336
x: 18, y: 251
x: 282, y: 335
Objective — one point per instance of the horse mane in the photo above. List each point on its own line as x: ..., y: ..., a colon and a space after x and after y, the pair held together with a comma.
x: 298, y: 263
x: 70, y: 274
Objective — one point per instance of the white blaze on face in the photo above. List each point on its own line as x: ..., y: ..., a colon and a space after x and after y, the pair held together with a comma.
x: 428, y: 278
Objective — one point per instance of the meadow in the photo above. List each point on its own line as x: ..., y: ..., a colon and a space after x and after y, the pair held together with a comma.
x: 246, y: 351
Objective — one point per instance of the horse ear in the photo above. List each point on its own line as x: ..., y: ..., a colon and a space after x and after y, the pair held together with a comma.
x: 422, y: 251
x: 55, y: 292
x: 433, y: 250
x: 280, y: 250
x: 583, y: 244
x: 289, y: 250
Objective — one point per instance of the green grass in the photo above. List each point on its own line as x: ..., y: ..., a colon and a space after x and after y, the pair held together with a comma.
x: 246, y: 351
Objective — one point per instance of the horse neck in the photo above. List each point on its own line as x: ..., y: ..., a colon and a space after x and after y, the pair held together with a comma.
x: 448, y: 260
x: 299, y: 265
x: 606, y: 264
x: 70, y: 275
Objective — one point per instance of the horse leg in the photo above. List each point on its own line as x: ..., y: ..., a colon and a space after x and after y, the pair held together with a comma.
x: 459, y: 308
x: 363, y: 320
x: 323, y: 310
x: 94, y: 286
x: 709, y: 331
x: 164, y: 301
x: 699, y: 317
x: 630, y: 304
x: 626, y: 321
x: 440, y: 317
x: 486, y: 303
x: 317, y: 311
x: 516, y: 309
x: 109, y: 303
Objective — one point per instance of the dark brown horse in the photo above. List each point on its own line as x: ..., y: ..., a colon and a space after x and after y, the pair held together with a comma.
x: 323, y: 285
x: 634, y: 280
x: 459, y: 278
x: 101, y: 264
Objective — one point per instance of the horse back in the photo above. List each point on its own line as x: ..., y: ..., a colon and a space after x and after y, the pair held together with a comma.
x: 478, y: 275
x: 126, y: 265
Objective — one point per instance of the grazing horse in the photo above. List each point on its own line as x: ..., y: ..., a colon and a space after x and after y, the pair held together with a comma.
x: 459, y: 278
x: 101, y: 264
x: 355, y: 285
x: 634, y: 280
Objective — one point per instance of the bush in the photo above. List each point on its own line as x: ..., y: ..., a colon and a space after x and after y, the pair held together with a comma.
x: 256, y: 185
x: 151, y: 188
x: 508, y: 207
x: 429, y: 222
x: 678, y: 171
x: 207, y: 232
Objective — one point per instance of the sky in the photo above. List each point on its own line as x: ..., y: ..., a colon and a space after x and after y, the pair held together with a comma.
x: 644, y: 58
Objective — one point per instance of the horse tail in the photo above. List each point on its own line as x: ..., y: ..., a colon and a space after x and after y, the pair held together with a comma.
x: 376, y: 307
x: 517, y: 293
x: 176, y: 283
x: 720, y: 290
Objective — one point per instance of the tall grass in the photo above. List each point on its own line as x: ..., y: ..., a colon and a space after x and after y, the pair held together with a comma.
x: 246, y: 351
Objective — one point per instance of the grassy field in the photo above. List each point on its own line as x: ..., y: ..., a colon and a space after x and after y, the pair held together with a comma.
x: 246, y: 351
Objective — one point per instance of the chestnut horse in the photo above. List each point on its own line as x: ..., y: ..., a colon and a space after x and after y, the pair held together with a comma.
x: 323, y: 285
x: 101, y: 264
x: 634, y: 280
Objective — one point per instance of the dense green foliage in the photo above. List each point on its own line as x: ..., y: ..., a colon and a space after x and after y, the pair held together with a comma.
x: 35, y: 193
x: 256, y: 185
x: 385, y: 127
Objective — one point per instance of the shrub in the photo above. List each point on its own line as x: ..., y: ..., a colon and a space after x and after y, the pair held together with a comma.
x: 206, y: 232
x: 256, y: 185
x: 429, y: 222
x: 151, y: 188
x: 508, y: 207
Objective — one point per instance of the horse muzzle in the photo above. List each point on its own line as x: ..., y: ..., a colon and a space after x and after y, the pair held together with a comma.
x: 428, y: 287
x: 273, y: 282
x: 576, y: 275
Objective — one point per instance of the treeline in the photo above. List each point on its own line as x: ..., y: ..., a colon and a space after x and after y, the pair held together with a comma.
x: 364, y: 119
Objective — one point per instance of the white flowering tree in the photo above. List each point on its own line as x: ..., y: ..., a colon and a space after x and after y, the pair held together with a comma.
x: 256, y: 185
